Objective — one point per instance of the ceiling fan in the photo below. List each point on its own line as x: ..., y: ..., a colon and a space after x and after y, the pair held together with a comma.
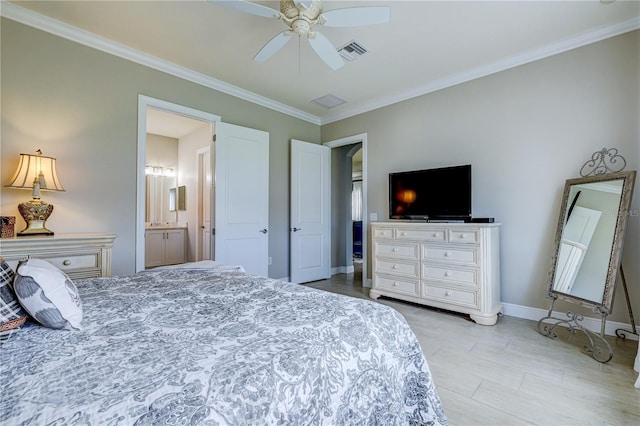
x: 302, y: 16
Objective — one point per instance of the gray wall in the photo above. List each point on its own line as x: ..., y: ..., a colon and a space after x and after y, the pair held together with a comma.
x: 79, y: 105
x: 525, y: 131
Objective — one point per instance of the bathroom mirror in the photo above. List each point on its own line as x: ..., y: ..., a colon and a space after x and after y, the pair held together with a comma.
x: 182, y: 197
x: 589, y: 239
x: 158, y: 198
x: 172, y: 199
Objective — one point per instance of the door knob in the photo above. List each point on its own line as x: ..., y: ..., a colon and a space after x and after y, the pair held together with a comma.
x: 296, y: 229
x: 264, y: 231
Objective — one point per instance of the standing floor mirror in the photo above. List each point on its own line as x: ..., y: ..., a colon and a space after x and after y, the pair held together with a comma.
x: 588, y: 250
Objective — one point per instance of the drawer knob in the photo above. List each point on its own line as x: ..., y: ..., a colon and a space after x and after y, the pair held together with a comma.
x: 447, y: 254
x: 66, y: 262
x: 394, y: 267
x: 404, y: 234
x: 463, y: 236
x: 436, y: 234
x: 447, y: 293
x: 395, y: 249
x: 447, y: 274
x: 395, y: 284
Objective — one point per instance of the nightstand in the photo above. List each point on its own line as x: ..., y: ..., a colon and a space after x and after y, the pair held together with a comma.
x: 78, y: 255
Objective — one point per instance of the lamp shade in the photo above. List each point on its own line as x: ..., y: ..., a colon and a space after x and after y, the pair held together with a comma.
x: 36, y: 169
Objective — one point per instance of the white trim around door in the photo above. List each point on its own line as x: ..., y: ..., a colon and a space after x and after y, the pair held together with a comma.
x: 350, y: 140
x: 145, y: 102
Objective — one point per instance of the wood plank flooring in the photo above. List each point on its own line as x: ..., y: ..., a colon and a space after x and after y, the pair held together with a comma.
x: 508, y: 374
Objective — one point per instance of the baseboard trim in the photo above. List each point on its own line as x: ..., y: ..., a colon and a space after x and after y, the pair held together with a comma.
x: 590, y: 323
x: 342, y: 270
x: 525, y: 312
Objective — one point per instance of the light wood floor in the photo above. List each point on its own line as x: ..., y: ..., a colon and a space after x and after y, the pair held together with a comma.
x: 508, y: 374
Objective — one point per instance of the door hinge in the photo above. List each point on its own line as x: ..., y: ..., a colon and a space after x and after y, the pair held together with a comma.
x: 214, y: 137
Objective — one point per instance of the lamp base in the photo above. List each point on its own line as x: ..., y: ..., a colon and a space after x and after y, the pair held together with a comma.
x: 35, y: 213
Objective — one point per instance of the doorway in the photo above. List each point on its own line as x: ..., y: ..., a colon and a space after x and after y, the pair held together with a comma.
x: 145, y: 104
x: 346, y: 148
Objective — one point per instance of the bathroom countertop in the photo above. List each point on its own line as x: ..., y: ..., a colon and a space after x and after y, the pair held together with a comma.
x: 165, y: 226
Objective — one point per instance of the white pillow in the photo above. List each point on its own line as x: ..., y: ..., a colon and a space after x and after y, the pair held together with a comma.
x: 48, y: 295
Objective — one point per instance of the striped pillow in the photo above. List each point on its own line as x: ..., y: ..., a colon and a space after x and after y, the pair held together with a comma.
x: 12, y: 316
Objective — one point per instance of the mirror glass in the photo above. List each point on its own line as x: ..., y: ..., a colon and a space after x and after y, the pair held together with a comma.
x: 589, y: 237
x: 158, y: 198
x: 172, y: 199
x: 182, y: 197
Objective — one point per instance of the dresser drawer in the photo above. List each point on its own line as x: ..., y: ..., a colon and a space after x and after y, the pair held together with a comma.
x: 408, y: 269
x: 383, y: 233
x: 397, y: 285
x: 450, y: 254
x: 75, y: 261
x: 450, y: 295
x: 433, y: 235
x: 399, y: 250
x: 463, y: 236
x: 454, y: 275
x: 76, y: 265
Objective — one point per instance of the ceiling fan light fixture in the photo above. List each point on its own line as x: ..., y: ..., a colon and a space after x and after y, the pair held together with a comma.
x: 328, y: 101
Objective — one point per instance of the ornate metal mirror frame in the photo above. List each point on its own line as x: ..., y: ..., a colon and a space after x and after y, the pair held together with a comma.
x: 600, y: 226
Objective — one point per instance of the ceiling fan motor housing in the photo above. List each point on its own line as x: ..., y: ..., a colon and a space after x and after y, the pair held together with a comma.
x: 301, y: 27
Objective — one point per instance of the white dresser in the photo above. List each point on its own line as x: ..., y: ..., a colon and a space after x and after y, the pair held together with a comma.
x: 452, y: 266
x: 78, y: 255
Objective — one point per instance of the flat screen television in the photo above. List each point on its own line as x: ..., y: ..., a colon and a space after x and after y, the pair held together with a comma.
x: 431, y: 194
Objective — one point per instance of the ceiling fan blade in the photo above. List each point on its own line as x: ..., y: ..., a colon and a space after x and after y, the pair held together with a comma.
x: 326, y: 51
x: 357, y: 16
x: 272, y: 46
x: 248, y: 7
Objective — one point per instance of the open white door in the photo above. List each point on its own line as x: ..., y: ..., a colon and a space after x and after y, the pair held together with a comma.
x: 310, y: 215
x: 205, y: 184
x: 242, y: 198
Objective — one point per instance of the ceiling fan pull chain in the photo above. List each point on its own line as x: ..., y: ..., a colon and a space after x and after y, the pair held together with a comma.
x: 299, y: 54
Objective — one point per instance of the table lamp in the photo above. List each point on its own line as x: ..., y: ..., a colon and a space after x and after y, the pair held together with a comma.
x: 36, y: 173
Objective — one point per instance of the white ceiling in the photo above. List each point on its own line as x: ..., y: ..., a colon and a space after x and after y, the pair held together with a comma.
x: 428, y: 45
x: 171, y: 125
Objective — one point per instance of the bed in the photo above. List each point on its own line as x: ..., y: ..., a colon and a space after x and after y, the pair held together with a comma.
x: 217, y: 347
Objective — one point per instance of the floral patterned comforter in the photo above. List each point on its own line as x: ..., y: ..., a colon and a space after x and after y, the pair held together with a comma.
x: 198, y: 347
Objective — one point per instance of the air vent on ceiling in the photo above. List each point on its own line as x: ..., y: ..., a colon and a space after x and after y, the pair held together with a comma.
x: 328, y: 101
x: 352, y: 50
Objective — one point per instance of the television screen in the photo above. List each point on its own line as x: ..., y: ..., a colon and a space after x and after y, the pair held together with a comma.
x: 437, y: 194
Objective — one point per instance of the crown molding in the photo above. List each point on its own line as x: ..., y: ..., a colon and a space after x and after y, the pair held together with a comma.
x: 69, y: 32
x: 492, y: 68
x: 53, y: 26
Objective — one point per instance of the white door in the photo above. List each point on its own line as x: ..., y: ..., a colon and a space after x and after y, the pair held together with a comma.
x: 576, y: 238
x: 205, y: 184
x: 241, y: 191
x: 310, y: 215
